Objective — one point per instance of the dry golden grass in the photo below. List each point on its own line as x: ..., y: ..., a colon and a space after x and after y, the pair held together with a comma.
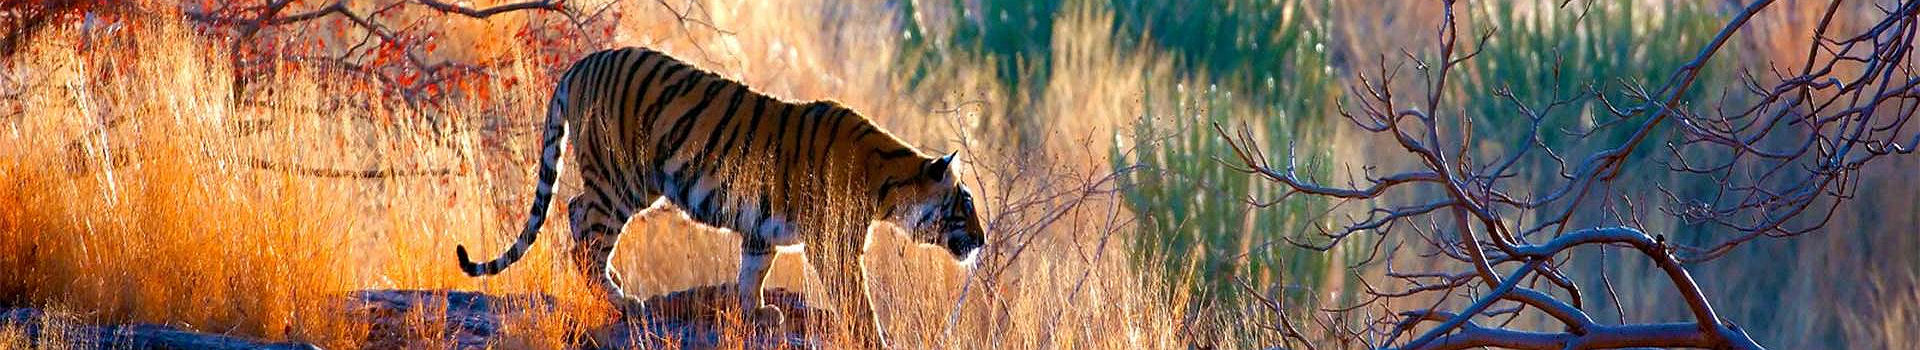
x: 127, y: 198
x: 171, y: 237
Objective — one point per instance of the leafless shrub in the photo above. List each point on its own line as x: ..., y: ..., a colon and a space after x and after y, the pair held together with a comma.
x: 1780, y: 152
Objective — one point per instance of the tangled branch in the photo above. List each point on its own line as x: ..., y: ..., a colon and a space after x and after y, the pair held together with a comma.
x: 1781, y: 157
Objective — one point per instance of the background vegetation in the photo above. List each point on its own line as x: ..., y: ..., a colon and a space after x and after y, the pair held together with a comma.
x: 152, y: 173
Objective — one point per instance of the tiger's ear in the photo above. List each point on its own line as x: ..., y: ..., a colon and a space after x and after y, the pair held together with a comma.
x: 937, y: 168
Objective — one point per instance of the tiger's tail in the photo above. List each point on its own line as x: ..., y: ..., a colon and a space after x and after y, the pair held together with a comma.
x: 551, y: 143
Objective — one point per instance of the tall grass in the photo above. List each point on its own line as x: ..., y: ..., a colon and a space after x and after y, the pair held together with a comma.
x: 1198, y: 229
x: 129, y: 195
x: 1545, y: 52
x: 144, y: 221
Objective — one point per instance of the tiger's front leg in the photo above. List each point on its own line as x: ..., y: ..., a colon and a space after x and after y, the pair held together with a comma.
x: 843, y: 272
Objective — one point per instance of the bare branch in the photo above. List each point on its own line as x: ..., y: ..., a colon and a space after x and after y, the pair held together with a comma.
x: 1778, y: 163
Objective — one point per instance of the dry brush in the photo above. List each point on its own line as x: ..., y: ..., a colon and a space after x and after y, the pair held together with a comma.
x: 1777, y: 156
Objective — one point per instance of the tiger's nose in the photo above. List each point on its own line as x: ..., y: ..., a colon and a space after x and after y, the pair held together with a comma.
x: 961, y: 245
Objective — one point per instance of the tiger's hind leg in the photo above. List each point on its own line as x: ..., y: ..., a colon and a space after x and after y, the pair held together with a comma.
x: 596, y: 230
x: 756, y: 262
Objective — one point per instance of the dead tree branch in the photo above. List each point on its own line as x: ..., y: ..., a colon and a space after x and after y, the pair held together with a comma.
x: 392, y: 52
x: 1782, y: 157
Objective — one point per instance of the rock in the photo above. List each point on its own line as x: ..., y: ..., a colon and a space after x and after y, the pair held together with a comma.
x: 472, y: 319
x: 136, y: 336
x: 698, y: 318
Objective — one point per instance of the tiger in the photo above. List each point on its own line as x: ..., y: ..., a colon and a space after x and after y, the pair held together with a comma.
x: 649, y: 132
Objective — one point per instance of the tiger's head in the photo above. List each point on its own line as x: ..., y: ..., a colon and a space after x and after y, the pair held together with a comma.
x: 935, y: 209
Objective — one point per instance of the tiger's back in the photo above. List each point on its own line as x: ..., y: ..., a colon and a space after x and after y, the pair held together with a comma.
x: 705, y: 143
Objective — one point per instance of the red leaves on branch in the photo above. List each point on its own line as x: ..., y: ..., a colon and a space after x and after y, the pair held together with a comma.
x: 390, y: 50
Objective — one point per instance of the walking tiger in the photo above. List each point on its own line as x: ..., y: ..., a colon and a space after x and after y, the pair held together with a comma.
x: 647, y: 129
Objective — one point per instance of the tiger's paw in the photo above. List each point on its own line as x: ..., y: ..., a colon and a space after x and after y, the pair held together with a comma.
x: 629, y: 306
x: 767, y: 317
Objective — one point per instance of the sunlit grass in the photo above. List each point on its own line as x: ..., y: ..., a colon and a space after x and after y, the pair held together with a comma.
x: 129, y: 199
x: 128, y: 195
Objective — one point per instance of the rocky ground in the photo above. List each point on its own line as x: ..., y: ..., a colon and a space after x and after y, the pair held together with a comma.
x: 689, y: 319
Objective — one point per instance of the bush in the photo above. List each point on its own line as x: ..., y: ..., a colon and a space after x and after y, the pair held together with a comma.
x: 1543, y: 55
x: 1196, y: 228
x: 1196, y: 224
